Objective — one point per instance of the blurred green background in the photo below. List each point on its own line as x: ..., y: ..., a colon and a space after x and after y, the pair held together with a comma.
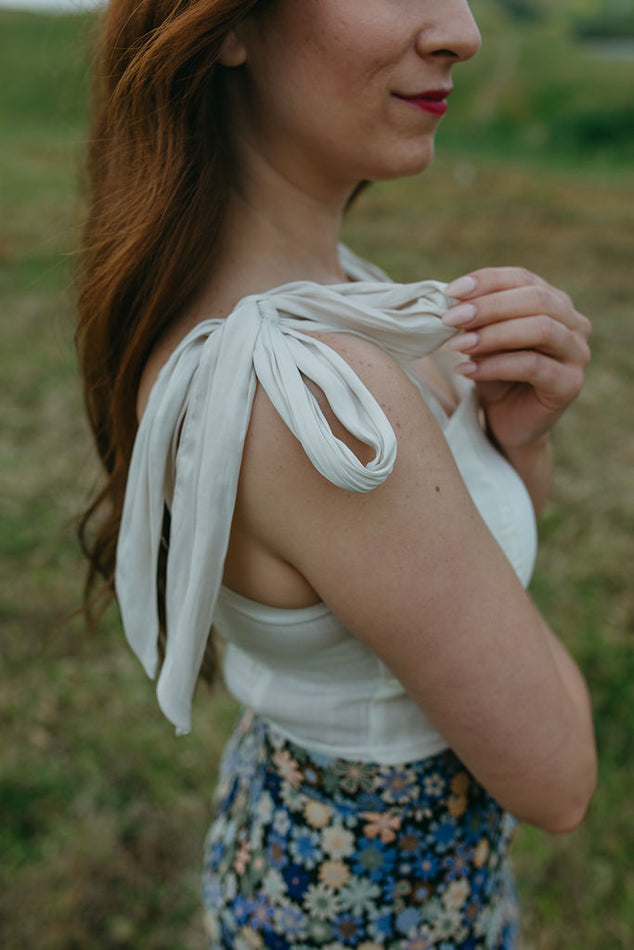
x: 102, y: 810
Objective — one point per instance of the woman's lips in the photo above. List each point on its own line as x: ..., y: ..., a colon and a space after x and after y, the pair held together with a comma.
x: 434, y: 102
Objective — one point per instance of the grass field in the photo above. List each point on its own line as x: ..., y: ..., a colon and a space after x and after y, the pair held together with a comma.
x: 102, y: 810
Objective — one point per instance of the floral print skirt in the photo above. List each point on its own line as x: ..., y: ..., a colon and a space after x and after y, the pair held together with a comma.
x: 309, y: 851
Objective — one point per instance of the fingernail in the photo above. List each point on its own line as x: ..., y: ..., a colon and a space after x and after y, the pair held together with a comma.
x: 459, y: 315
x: 461, y: 287
x: 466, y: 368
x: 463, y: 342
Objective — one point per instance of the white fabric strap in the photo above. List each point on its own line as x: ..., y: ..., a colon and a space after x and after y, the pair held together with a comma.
x: 192, y: 436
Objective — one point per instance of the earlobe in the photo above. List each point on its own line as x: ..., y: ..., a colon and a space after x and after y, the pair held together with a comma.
x: 232, y: 51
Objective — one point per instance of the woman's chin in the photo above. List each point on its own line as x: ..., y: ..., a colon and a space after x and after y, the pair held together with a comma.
x: 410, y: 162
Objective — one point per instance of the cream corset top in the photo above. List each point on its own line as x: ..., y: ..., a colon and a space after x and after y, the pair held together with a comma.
x: 190, y: 441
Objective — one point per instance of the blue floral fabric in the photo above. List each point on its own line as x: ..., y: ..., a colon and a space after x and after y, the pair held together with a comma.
x: 309, y: 851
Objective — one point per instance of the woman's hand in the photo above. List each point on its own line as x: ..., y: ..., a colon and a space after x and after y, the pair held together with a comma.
x: 527, y: 349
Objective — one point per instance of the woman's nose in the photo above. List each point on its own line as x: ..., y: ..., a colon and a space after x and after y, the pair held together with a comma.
x: 452, y: 32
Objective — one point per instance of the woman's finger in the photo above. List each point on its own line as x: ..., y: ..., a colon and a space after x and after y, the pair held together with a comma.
x: 556, y: 384
x: 540, y: 333
x: 527, y: 301
x: 489, y: 280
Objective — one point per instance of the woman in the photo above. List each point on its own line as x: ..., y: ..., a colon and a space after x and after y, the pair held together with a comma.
x: 328, y: 470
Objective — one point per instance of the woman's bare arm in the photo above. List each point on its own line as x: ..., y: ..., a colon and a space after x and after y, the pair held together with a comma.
x: 413, y: 572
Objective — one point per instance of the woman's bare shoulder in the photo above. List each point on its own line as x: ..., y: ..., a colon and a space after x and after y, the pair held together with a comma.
x: 381, y: 375
x: 283, y: 498
x: 280, y: 488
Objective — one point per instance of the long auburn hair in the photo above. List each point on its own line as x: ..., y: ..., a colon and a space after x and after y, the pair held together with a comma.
x: 158, y: 174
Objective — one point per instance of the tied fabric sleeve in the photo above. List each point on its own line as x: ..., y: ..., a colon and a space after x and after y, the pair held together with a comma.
x: 192, y: 436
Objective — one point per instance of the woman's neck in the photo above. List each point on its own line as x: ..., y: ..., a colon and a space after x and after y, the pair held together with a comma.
x: 276, y: 230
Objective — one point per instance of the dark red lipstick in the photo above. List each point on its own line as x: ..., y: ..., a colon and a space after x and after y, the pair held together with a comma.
x: 433, y: 101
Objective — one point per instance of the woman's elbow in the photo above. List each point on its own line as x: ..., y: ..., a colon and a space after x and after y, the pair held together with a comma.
x: 571, y: 817
x: 566, y: 808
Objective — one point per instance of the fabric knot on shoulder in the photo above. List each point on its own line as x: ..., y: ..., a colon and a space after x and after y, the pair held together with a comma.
x: 267, y: 307
x: 190, y: 442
